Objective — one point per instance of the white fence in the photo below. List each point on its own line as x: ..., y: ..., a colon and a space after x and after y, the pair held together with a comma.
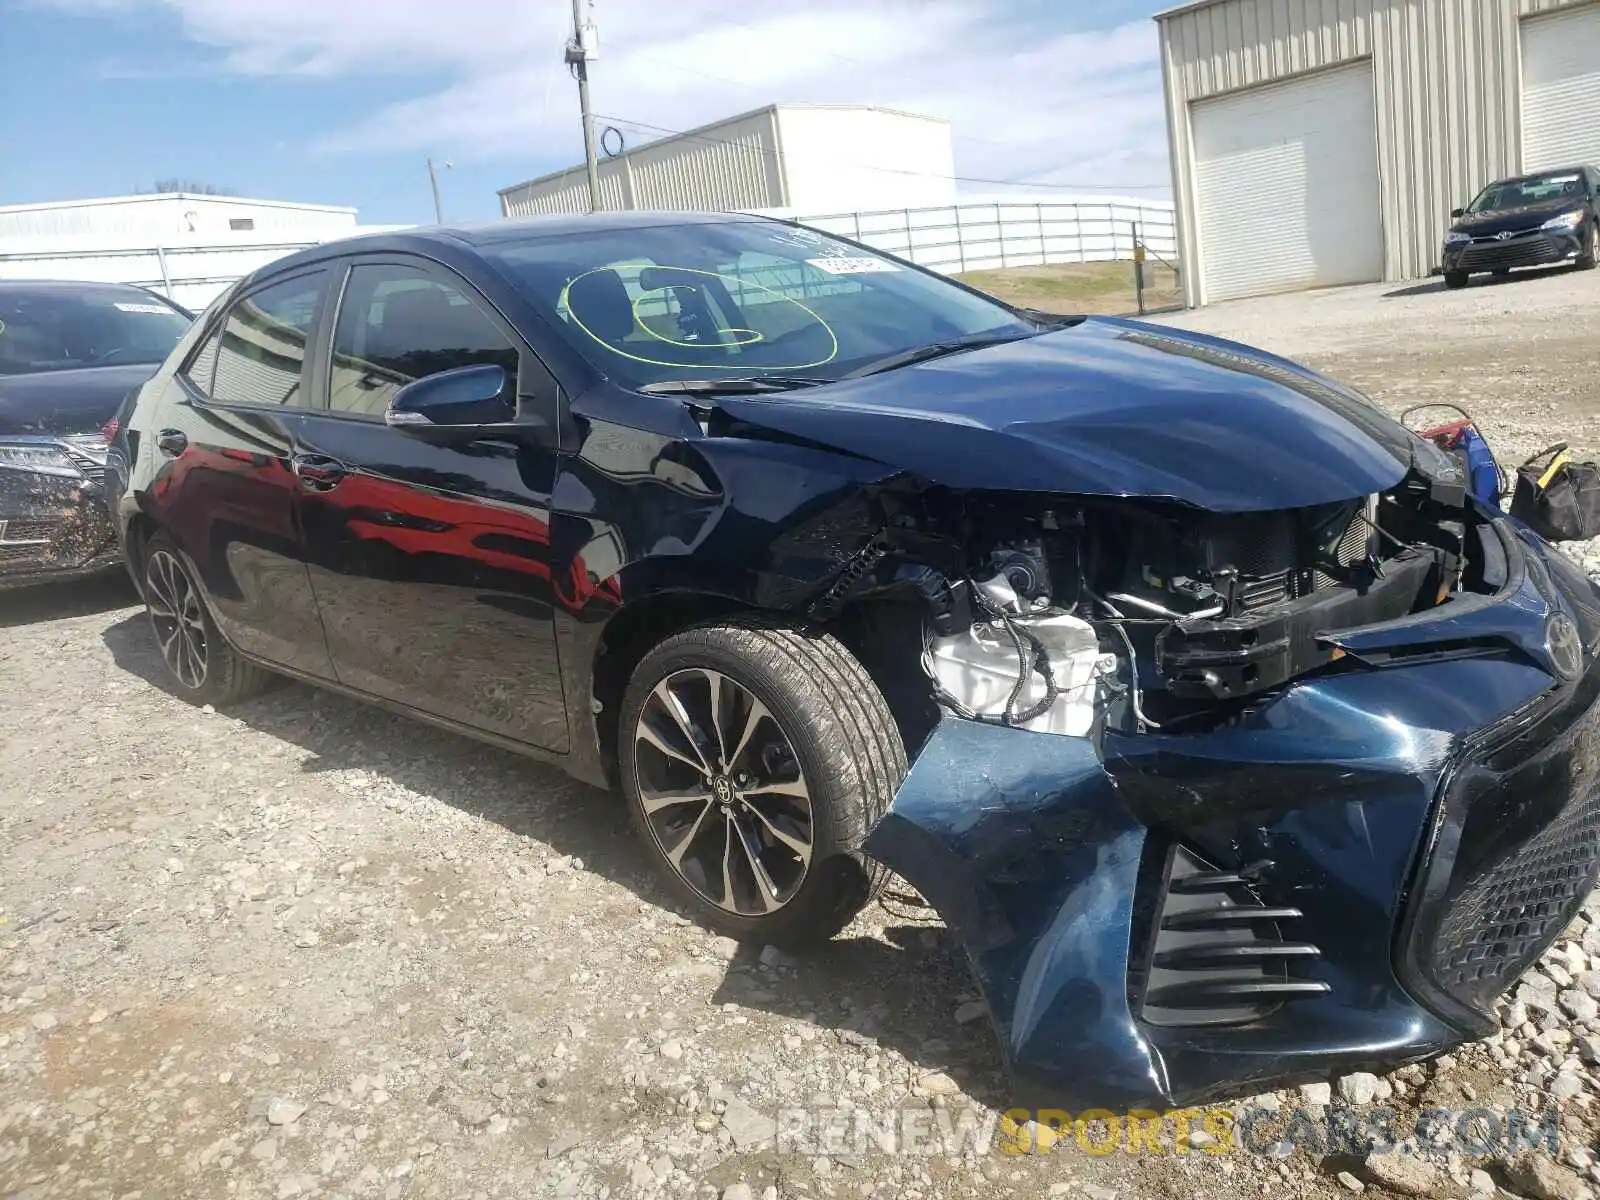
x: 967, y: 236
x: 190, y: 273
x: 980, y: 235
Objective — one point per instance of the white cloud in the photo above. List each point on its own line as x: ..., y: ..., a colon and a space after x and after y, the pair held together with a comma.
x: 1047, y: 99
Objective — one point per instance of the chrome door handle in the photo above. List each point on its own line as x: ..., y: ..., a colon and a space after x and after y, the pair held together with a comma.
x: 317, y: 473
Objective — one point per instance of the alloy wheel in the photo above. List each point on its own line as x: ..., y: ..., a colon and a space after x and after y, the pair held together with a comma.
x: 175, y: 613
x: 723, y: 793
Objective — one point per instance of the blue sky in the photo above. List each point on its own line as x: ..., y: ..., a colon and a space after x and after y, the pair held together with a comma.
x: 340, y: 101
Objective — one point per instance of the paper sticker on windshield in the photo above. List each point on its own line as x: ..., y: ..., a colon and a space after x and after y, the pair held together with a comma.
x: 844, y: 265
x: 1554, y: 179
x: 158, y: 309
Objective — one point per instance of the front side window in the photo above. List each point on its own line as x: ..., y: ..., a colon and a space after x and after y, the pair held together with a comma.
x: 51, y: 329
x: 737, y: 299
x: 398, y: 324
x: 261, y: 352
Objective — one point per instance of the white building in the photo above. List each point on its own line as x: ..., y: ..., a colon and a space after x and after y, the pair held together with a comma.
x: 189, y: 247
x: 803, y: 157
x: 1319, y: 142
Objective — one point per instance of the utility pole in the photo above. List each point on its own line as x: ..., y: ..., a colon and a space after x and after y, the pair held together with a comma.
x: 581, y: 50
x: 433, y: 179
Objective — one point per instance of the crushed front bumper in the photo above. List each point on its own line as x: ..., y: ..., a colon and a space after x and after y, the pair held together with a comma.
x: 52, y: 527
x: 1342, y: 879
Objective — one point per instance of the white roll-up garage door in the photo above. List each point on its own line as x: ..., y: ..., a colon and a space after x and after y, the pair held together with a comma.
x: 1561, y: 89
x: 1286, y: 182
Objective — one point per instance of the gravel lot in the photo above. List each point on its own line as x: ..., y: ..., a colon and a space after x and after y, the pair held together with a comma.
x: 305, y: 948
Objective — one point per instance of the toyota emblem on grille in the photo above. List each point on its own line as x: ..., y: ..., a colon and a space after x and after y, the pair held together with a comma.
x: 1564, y: 644
x: 1502, y: 237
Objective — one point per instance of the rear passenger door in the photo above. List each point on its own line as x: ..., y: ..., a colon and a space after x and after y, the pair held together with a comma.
x: 431, y: 563
x: 227, y: 487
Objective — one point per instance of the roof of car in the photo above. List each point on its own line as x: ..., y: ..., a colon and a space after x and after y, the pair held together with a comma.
x: 488, y: 232
x: 479, y: 235
x: 1545, y: 174
x: 71, y: 287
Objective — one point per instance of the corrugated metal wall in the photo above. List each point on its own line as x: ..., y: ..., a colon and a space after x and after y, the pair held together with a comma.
x: 733, y: 165
x: 1448, y: 102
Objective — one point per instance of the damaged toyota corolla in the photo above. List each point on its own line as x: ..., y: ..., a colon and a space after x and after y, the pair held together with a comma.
x: 1234, y: 738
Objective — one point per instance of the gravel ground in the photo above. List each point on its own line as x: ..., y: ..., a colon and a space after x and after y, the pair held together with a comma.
x: 306, y: 948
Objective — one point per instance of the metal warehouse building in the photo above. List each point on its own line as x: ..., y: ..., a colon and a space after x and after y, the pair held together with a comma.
x: 190, y: 247
x: 1320, y: 142
x: 810, y: 157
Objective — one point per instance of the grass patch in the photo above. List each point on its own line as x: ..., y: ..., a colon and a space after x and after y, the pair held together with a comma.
x: 1099, y: 287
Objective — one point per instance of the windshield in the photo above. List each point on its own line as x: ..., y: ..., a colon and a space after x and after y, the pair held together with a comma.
x: 740, y: 300
x: 1519, y: 193
x: 60, y: 330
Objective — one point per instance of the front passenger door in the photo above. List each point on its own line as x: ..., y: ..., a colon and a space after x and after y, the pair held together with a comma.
x: 431, y: 563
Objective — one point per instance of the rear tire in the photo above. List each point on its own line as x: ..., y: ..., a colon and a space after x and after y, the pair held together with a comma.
x: 198, y: 664
x: 755, y: 757
x: 1455, y: 279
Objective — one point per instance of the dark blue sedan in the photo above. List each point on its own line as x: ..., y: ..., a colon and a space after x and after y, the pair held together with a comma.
x: 1238, y: 742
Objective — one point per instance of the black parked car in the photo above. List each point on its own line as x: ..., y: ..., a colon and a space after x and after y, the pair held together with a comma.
x: 69, y: 354
x: 1236, y: 740
x: 1530, y: 221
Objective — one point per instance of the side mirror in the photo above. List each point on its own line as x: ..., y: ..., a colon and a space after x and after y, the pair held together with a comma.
x: 453, y: 403
x: 1457, y: 212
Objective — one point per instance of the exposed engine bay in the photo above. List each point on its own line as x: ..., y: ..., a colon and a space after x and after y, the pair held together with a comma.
x: 1142, y: 615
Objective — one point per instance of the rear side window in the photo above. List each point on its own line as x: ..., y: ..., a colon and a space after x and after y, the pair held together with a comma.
x: 203, y: 367
x: 260, y: 351
x: 398, y: 324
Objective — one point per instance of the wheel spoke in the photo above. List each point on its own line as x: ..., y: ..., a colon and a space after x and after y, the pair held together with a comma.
x: 800, y: 846
x: 158, y: 603
x: 673, y: 706
x: 792, y: 787
x: 654, y: 802
x: 166, y: 643
x: 758, y: 713
x: 728, y: 901
x: 714, y: 687
x: 766, y: 890
x: 677, y: 852
x: 196, y: 672
x: 648, y: 734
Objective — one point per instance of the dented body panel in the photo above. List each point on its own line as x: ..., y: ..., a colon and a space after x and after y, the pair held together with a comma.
x: 1109, y: 408
x: 1048, y: 858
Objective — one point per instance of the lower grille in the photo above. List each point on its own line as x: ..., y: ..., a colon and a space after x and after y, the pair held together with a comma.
x: 1502, y: 919
x: 25, y: 532
x: 1217, y: 956
x: 1514, y: 252
x: 1515, y: 851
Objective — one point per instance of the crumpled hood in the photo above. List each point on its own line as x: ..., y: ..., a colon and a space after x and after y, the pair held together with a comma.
x: 1108, y: 408
x: 1516, y: 220
x: 78, y: 401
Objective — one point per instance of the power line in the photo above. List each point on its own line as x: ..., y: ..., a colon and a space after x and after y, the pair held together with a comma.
x: 1064, y: 187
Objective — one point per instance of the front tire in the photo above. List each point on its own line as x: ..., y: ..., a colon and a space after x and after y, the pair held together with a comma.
x: 1586, y: 257
x: 198, y: 663
x: 1455, y: 279
x: 755, y: 758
